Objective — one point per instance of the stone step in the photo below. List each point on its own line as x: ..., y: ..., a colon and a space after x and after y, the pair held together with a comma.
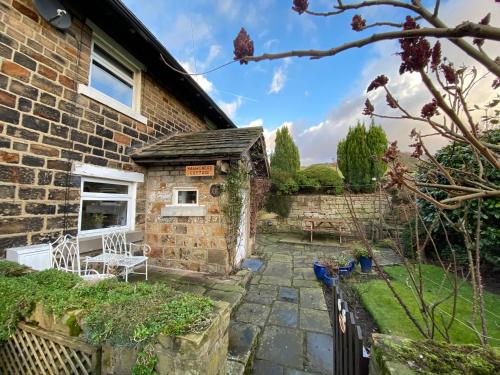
x: 243, y: 339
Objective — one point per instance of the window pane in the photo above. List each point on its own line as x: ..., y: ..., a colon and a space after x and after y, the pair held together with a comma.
x: 100, y: 187
x: 108, y: 83
x: 103, y: 214
x: 110, y: 59
x: 186, y: 197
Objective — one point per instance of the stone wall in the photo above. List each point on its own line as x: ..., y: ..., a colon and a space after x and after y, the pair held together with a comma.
x: 45, y: 125
x: 367, y: 207
x: 196, y: 243
x: 198, y: 353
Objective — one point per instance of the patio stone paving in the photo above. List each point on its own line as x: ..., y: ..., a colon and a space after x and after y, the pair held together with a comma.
x: 286, y: 303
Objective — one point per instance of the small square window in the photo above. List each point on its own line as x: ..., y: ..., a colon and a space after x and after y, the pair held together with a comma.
x: 183, y: 197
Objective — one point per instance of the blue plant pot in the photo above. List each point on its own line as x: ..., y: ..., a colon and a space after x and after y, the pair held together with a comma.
x: 366, y: 264
x: 330, y: 281
x: 319, y: 270
x: 346, y: 270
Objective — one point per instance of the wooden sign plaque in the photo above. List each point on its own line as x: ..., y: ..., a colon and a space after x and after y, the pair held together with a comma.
x: 200, y: 170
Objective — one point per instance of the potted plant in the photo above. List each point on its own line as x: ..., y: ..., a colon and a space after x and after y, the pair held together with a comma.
x: 336, y: 266
x: 363, y: 257
x: 319, y: 269
x: 98, y: 220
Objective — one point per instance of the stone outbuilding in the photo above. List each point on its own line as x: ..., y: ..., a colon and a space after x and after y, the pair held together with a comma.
x: 185, y: 177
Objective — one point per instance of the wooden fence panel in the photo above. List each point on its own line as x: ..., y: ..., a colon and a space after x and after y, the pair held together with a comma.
x: 349, y: 357
x: 34, y: 351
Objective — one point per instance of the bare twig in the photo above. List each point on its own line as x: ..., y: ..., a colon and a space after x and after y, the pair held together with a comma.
x: 465, y: 29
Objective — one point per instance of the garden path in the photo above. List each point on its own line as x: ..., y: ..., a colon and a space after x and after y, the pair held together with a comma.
x: 285, y: 304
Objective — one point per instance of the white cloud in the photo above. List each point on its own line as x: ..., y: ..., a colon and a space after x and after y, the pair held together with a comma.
x: 228, y: 8
x: 279, y: 78
x: 230, y: 108
x: 193, y: 66
x: 268, y: 44
x: 213, y: 52
x: 204, y: 83
x: 256, y: 122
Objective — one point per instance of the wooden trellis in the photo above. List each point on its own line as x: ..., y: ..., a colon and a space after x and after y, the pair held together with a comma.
x: 34, y: 351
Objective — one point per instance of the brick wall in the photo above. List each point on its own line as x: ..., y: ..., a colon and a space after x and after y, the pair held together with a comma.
x: 45, y: 125
x: 194, y: 243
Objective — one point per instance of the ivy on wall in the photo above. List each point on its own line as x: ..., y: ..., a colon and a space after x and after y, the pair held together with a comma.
x: 232, y: 201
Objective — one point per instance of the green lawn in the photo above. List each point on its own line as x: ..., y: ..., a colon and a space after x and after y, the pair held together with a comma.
x: 391, y: 318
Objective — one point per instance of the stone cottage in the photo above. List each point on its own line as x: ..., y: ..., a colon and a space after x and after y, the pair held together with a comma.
x: 100, y: 128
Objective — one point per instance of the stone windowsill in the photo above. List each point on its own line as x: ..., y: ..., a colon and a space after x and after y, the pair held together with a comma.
x: 175, y: 210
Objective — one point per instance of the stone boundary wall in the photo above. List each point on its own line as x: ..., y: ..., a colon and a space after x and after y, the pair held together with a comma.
x: 197, y: 353
x: 366, y: 206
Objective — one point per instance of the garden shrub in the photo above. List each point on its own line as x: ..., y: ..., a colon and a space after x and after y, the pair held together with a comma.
x: 283, y: 182
x: 114, y: 313
x: 8, y: 268
x: 460, y: 157
x: 319, y: 179
x: 279, y: 204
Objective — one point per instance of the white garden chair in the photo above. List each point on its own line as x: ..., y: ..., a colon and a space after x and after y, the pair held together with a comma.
x: 65, y: 254
x: 117, y: 252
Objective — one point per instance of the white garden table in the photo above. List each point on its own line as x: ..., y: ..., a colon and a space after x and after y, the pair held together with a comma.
x: 116, y: 252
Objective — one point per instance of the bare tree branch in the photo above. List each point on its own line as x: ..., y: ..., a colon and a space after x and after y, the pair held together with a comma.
x: 341, y: 8
x: 483, y: 150
x: 465, y: 29
x: 376, y: 24
x: 436, y: 8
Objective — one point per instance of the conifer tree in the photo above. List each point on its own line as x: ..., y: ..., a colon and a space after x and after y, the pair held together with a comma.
x: 285, y: 162
x: 359, y: 157
x: 376, y: 140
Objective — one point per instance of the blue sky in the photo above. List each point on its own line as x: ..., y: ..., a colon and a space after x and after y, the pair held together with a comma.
x: 318, y: 99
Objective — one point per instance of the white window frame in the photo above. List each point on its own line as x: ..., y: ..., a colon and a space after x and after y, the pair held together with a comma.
x: 128, y: 61
x: 130, y: 198
x: 175, y: 196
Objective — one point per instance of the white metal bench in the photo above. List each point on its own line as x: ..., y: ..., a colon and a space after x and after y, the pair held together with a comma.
x: 65, y: 256
x: 116, y: 252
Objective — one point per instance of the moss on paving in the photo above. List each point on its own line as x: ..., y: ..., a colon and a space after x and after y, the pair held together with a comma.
x: 113, y: 312
x: 391, y: 318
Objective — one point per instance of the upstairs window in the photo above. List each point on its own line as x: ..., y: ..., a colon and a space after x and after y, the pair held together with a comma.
x: 114, y: 76
x: 111, y: 77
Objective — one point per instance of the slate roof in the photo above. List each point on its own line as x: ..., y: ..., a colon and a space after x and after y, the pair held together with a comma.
x: 222, y: 144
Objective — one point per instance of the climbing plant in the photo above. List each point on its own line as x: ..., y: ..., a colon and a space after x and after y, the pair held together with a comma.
x: 259, y: 190
x: 232, y: 201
